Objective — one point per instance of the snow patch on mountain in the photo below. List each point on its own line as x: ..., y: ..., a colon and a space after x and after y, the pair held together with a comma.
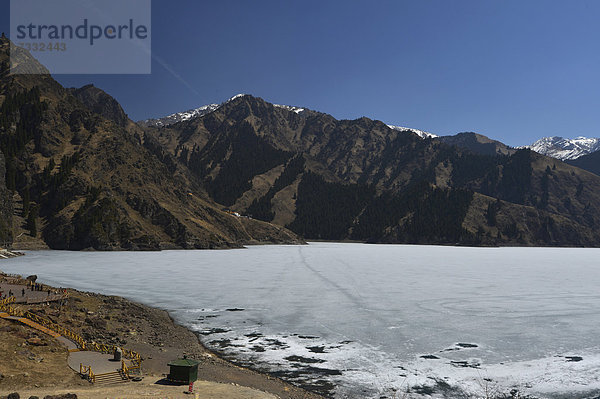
x: 297, y: 110
x: 180, y: 116
x: 236, y: 96
x: 565, y: 149
x: 187, y: 115
x: 420, y: 133
x: 201, y: 111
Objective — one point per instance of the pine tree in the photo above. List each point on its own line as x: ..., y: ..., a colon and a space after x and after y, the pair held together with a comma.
x: 31, y: 224
x: 26, y: 199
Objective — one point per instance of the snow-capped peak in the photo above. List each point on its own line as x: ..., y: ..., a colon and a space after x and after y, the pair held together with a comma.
x: 565, y: 149
x: 420, y: 133
x: 187, y: 115
x: 236, y: 96
x: 180, y: 116
x: 297, y: 110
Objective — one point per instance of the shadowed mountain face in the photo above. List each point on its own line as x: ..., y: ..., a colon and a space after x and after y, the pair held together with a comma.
x: 101, y: 103
x: 339, y: 179
x: 90, y: 178
x: 477, y: 144
x: 5, y: 208
x: 590, y: 162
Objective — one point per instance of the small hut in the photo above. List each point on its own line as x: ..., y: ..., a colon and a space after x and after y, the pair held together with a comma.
x: 183, y: 371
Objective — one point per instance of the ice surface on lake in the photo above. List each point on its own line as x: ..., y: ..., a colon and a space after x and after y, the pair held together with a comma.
x: 370, y: 318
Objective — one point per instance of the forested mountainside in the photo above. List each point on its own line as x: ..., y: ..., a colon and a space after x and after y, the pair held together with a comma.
x: 82, y: 175
x: 85, y: 176
x: 5, y: 208
x: 477, y: 143
x: 361, y: 180
x: 590, y: 162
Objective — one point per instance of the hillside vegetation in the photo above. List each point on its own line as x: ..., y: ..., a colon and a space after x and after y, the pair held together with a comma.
x: 361, y: 180
x: 80, y: 174
x: 88, y: 177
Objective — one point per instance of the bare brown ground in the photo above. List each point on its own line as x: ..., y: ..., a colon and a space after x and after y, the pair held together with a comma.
x: 148, y: 389
x: 41, y: 370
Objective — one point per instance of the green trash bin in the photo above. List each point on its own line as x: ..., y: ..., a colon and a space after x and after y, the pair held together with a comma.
x: 183, y: 371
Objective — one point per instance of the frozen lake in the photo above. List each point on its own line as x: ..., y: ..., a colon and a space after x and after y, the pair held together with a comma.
x: 370, y: 318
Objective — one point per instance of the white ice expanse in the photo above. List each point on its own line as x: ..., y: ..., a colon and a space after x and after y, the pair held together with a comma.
x: 371, y: 311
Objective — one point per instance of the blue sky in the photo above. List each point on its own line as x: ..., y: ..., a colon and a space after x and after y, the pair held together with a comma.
x: 513, y: 70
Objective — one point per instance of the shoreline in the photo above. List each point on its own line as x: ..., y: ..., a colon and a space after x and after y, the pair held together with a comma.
x: 22, y: 251
x: 441, y: 359
x: 238, y: 364
x: 157, y: 336
x: 7, y: 254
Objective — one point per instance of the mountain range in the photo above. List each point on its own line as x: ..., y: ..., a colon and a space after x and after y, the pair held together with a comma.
x: 82, y: 175
x: 554, y: 147
x: 179, y: 117
x: 566, y: 149
x: 362, y: 180
x: 85, y: 176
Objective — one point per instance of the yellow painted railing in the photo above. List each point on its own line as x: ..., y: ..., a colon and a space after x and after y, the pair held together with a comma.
x: 6, y: 307
x: 124, y: 368
x: 7, y: 301
x: 136, y: 358
x: 57, y: 328
x: 87, y: 370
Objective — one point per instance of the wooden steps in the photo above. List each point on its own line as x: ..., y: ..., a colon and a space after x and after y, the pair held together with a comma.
x: 116, y: 377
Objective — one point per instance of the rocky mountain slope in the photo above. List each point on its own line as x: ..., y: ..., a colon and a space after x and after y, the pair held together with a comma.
x: 362, y: 180
x: 179, y: 116
x: 91, y: 178
x: 101, y: 103
x: 88, y: 177
x: 6, y: 209
x: 207, y: 109
x: 590, y: 162
x: 477, y: 143
x: 420, y: 133
x: 565, y: 149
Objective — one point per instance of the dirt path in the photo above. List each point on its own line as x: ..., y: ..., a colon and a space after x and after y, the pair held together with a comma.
x: 24, y: 294
x: 116, y: 321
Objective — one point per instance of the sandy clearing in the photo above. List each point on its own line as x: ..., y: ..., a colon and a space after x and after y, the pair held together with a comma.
x: 148, y: 389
